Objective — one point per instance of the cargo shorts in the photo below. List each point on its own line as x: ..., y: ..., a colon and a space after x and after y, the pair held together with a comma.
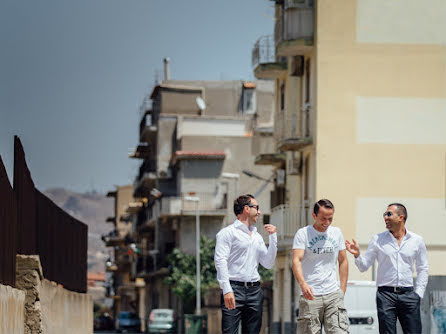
x: 325, y: 309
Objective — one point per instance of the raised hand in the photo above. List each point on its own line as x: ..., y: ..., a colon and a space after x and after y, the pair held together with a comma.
x: 352, y: 247
x: 270, y: 228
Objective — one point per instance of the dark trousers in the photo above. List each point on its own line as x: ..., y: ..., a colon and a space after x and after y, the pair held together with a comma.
x: 404, y: 306
x: 248, y: 309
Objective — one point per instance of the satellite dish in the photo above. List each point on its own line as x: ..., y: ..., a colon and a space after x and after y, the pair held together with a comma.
x: 200, y: 103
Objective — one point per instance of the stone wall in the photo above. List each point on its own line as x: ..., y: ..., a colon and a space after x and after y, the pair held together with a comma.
x: 49, y: 308
x: 12, y: 306
x: 28, y: 278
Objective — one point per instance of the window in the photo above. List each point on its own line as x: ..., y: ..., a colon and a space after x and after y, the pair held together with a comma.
x: 282, y: 95
x: 307, y: 81
x: 248, y: 99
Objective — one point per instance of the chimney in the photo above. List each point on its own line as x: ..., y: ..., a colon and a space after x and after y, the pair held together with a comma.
x: 166, y: 69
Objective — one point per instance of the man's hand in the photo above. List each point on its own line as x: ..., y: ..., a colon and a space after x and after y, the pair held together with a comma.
x: 352, y: 247
x: 229, y: 300
x: 307, y: 291
x: 270, y: 228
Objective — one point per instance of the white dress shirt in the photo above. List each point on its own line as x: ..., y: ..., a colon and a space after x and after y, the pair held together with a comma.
x: 238, y: 254
x: 396, y: 262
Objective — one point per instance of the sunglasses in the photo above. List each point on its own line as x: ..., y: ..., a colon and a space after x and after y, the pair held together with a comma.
x: 387, y: 214
x: 253, y: 206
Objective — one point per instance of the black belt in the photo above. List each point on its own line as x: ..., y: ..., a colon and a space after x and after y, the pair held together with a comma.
x: 245, y: 284
x: 396, y: 289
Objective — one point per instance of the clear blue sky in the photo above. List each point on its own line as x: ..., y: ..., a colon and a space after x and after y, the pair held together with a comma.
x: 73, y: 74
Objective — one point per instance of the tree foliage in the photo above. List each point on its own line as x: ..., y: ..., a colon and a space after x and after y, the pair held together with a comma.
x: 182, y: 277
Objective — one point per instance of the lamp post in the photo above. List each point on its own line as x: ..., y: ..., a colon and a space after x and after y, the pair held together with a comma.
x: 197, y: 247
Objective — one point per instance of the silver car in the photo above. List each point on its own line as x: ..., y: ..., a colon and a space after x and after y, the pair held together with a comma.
x: 162, y: 321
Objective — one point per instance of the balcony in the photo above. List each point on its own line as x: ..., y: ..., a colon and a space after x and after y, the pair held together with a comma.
x: 210, y: 205
x: 294, y: 28
x: 264, y: 61
x: 147, y: 128
x: 142, y: 151
x: 288, y: 219
x: 146, y: 179
x: 113, y: 239
x: 293, y: 131
x: 271, y: 159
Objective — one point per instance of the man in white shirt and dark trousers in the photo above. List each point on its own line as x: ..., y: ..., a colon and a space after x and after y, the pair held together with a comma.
x: 396, y: 251
x: 317, y: 249
x: 238, y: 252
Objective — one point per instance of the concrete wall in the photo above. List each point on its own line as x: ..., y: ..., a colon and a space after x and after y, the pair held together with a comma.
x: 12, y: 310
x: 50, y: 309
x: 64, y: 311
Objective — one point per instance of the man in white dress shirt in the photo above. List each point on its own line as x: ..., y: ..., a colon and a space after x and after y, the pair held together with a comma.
x: 238, y: 252
x: 396, y: 251
x: 317, y: 249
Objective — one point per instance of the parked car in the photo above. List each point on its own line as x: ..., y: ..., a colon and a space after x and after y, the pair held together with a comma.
x: 162, y: 321
x: 104, y: 322
x: 128, y: 321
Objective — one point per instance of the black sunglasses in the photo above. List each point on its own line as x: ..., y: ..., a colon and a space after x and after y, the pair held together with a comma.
x: 387, y: 214
x: 253, y: 206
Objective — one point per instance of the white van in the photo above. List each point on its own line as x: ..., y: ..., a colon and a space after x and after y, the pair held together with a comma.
x: 360, y: 302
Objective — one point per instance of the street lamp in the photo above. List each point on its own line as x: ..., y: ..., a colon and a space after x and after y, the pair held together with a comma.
x: 197, y: 246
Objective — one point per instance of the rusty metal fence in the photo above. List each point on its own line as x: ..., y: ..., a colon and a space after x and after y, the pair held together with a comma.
x: 34, y: 225
x: 8, y: 227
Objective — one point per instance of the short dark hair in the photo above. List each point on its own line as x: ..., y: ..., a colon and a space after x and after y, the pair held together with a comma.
x: 241, y: 202
x: 326, y: 203
x: 400, y: 210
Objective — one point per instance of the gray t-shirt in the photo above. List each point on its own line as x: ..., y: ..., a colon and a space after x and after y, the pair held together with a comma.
x: 320, y: 257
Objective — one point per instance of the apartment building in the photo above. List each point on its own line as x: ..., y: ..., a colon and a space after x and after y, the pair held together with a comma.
x: 360, y: 114
x: 125, y: 291
x: 196, y: 139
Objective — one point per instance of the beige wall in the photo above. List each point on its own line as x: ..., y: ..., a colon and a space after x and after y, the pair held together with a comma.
x: 64, y: 311
x: 381, y: 92
x: 12, y: 306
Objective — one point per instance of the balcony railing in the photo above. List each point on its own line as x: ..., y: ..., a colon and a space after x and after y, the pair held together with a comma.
x: 292, y: 131
x: 287, y: 219
x: 209, y: 203
x: 264, y: 61
x: 263, y: 51
x: 294, y: 24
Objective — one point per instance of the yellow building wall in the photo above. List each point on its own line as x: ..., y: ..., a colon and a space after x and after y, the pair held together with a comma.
x: 381, y: 117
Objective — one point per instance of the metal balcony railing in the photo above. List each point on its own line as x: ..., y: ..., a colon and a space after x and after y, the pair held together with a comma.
x: 287, y: 219
x: 293, y: 23
x: 178, y: 205
x: 293, y: 125
x: 263, y: 51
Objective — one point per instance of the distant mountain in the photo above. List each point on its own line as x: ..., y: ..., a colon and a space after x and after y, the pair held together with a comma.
x: 91, y: 209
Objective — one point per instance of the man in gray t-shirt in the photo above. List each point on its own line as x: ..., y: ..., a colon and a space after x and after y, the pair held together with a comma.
x: 317, y: 249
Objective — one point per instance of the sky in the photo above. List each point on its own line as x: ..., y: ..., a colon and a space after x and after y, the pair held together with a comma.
x: 73, y: 75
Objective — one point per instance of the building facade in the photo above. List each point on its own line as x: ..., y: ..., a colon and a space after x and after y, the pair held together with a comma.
x: 360, y: 100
